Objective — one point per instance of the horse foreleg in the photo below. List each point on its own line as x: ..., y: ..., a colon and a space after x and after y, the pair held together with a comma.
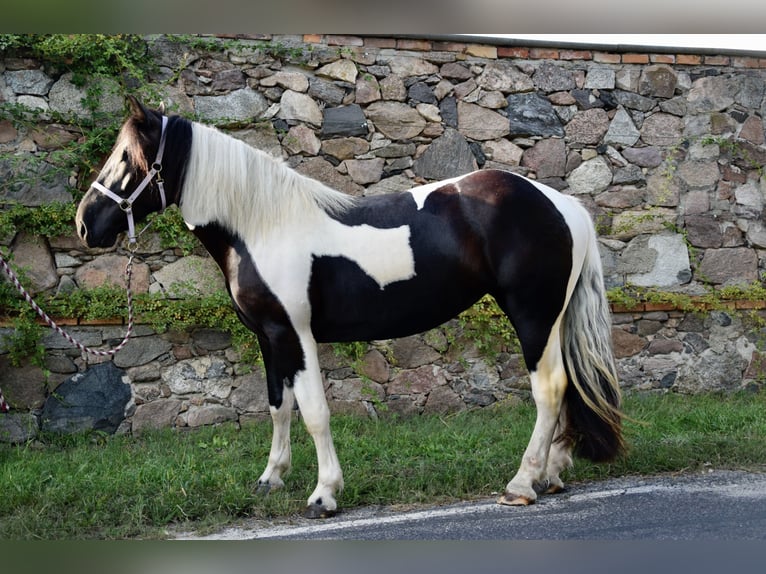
x: 548, y: 385
x: 309, y: 392
x: 279, y: 456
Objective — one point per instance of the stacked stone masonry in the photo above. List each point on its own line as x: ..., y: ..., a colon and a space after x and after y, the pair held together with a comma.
x: 665, y: 150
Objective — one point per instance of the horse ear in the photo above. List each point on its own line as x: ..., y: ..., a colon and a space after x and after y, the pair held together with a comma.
x: 137, y: 110
x: 161, y: 109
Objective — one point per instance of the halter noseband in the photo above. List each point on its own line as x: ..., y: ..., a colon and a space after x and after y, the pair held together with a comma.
x: 126, y: 203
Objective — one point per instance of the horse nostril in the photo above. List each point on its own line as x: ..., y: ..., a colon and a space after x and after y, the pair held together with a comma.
x: 83, y: 231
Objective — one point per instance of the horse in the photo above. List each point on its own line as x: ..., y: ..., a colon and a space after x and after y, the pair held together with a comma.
x: 305, y: 264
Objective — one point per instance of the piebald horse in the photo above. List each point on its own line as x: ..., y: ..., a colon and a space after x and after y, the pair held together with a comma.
x: 304, y: 264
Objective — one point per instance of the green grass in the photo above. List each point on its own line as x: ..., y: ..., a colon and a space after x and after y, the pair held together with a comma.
x: 123, y: 487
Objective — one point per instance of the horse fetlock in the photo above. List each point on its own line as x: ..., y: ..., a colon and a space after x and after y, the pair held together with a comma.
x: 330, y: 481
x: 560, y: 458
x: 540, y: 486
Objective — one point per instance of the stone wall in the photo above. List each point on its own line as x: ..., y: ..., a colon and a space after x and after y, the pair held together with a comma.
x: 666, y: 151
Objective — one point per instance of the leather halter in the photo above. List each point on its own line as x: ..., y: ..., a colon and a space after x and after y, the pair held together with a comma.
x: 126, y: 203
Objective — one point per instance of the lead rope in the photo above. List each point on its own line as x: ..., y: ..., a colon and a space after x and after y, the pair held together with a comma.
x: 4, y: 408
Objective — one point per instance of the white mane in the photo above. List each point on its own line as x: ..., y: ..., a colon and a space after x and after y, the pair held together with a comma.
x: 247, y: 190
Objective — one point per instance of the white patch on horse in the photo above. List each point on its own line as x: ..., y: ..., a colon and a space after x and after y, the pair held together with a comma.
x: 385, y: 255
x: 421, y: 193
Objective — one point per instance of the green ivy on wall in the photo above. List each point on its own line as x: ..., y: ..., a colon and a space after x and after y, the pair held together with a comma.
x: 123, y: 56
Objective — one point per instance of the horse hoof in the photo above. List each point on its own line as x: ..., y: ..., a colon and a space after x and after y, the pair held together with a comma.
x: 555, y: 489
x: 263, y: 489
x: 318, y: 511
x: 509, y: 499
x: 548, y: 487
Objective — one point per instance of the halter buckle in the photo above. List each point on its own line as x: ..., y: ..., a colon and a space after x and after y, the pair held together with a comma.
x: 157, y: 168
x: 126, y: 205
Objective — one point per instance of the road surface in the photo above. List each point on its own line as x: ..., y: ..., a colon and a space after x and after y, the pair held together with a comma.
x: 713, y: 505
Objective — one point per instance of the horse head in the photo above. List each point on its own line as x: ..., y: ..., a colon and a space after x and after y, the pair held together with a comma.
x: 131, y: 184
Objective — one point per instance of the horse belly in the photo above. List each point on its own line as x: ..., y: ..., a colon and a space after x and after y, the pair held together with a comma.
x: 348, y: 305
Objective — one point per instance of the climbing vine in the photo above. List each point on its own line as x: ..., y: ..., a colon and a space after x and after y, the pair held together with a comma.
x: 124, y: 56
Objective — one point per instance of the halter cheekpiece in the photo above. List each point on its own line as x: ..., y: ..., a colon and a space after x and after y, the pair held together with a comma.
x: 126, y: 203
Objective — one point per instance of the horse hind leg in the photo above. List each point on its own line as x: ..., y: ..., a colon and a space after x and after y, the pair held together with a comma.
x: 540, y: 464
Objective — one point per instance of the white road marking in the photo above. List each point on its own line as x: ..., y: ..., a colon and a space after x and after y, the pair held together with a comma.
x: 326, y: 527
x: 734, y: 490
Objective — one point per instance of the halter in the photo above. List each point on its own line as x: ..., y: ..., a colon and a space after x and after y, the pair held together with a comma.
x: 126, y: 203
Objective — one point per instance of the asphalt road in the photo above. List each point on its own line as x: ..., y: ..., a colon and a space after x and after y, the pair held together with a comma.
x: 714, y: 505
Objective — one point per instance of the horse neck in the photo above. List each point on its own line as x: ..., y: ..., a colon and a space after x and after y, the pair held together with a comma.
x: 246, y: 190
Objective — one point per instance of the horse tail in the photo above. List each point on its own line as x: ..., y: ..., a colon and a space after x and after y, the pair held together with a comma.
x: 593, y: 415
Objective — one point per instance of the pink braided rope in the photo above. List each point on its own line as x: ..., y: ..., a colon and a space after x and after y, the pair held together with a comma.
x: 4, y: 408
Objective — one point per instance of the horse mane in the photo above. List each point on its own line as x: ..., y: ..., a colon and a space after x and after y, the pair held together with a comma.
x: 248, y: 190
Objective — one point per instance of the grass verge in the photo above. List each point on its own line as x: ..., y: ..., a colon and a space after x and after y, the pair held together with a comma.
x: 127, y: 487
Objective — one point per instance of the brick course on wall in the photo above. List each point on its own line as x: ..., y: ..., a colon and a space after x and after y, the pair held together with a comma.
x: 666, y: 150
